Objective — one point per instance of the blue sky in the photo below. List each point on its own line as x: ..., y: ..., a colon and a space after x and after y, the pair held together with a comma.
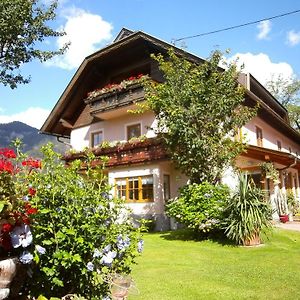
x: 267, y: 48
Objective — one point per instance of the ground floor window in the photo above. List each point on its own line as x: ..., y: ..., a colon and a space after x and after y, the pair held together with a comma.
x: 135, y: 189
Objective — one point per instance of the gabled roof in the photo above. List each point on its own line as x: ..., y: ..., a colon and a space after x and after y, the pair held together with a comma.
x: 71, y: 104
x: 69, y: 101
x: 122, y: 34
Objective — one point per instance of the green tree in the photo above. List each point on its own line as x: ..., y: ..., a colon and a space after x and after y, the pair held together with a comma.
x: 199, y: 108
x: 287, y: 92
x: 23, y: 26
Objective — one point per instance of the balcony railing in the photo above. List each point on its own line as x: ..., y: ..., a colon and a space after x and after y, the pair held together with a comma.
x: 116, y: 99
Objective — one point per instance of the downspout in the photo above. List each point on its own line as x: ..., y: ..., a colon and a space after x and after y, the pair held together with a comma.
x: 63, y: 142
x: 290, y: 166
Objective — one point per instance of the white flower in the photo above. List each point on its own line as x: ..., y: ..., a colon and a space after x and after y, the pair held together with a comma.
x: 21, y: 236
x: 26, y: 257
x: 140, y: 246
x: 108, y: 258
x: 40, y: 249
x: 96, y: 253
x: 90, y: 266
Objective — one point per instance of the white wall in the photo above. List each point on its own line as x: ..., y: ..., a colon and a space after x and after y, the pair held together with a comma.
x: 158, y: 171
x: 113, y: 129
x: 270, y: 136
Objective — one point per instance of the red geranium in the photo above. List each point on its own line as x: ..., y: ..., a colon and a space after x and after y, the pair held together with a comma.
x: 33, y: 163
x: 8, y: 153
x: 6, y: 227
x: 31, y: 191
x: 6, y: 166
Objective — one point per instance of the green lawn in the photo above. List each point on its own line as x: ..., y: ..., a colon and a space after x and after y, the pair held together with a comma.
x: 173, y: 266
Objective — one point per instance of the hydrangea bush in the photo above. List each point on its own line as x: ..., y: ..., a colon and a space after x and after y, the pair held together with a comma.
x: 85, y: 234
x: 200, y: 206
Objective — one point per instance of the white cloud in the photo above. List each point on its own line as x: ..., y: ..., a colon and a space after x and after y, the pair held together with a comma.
x: 264, y: 29
x: 86, y: 32
x: 33, y: 116
x: 261, y: 67
x: 293, y: 38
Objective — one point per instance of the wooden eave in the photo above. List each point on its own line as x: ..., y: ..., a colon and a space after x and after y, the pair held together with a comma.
x: 259, y: 90
x: 66, y: 107
x: 263, y: 154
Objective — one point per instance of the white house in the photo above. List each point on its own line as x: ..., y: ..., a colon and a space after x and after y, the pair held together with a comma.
x: 94, y: 108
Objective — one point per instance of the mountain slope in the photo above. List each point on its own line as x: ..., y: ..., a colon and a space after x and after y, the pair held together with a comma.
x: 30, y: 137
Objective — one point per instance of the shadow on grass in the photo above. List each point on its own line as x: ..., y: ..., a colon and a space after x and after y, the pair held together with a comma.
x: 190, y: 235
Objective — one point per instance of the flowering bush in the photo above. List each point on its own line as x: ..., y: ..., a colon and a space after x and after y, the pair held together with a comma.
x: 200, y: 206
x: 86, y: 234
x: 112, y: 87
x: 16, y: 210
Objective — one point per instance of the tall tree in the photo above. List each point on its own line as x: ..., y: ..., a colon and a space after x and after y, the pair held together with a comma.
x: 199, y: 108
x: 23, y: 26
x: 287, y: 92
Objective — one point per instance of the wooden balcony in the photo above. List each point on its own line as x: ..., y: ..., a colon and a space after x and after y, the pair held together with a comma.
x: 128, y: 153
x: 115, y: 103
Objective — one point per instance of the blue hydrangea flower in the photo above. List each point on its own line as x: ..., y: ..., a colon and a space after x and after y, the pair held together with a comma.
x: 108, y: 258
x: 122, y: 243
x: 21, y: 236
x: 140, y: 246
x: 26, y: 257
x: 96, y: 253
x: 106, y: 249
x: 40, y: 249
x: 90, y: 266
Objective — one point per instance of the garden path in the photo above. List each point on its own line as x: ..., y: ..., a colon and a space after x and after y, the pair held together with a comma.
x: 289, y: 225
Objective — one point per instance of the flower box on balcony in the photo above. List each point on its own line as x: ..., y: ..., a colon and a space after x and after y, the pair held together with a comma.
x: 118, y: 98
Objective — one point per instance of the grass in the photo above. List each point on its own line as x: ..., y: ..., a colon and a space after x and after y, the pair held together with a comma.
x: 174, y: 266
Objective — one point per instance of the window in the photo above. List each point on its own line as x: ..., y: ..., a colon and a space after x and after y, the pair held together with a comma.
x: 96, y: 138
x: 135, y: 189
x: 133, y: 131
x: 279, y: 145
x: 167, y: 195
x: 259, y: 137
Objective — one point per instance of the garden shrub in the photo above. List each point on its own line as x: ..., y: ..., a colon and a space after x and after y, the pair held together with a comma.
x: 199, y: 206
x: 248, y: 213
x: 85, y: 234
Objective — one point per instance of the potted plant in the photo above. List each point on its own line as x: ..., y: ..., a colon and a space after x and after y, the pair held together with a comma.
x: 270, y: 172
x: 282, y: 209
x: 248, y: 214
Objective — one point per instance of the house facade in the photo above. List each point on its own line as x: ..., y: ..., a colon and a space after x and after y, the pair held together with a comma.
x: 94, y: 112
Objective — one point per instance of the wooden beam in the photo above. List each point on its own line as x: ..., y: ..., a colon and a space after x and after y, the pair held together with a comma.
x: 65, y: 123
